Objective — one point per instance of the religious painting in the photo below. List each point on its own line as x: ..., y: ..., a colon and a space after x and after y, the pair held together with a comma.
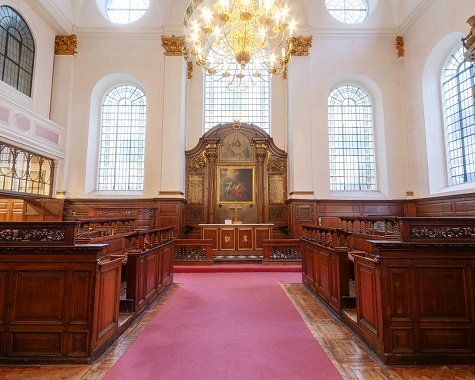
x: 235, y: 184
x: 236, y: 147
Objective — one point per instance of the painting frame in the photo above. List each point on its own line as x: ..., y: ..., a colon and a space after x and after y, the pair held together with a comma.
x: 235, y: 184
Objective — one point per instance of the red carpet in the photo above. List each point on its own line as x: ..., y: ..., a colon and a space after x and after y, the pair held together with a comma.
x: 226, y: 326
x: 226, y: 268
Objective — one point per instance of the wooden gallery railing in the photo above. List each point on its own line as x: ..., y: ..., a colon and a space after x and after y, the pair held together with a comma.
x: 59, y: 300
x: 415, y: 297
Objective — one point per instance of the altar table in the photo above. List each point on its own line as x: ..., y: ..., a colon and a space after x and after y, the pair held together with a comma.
x: 237, y: 239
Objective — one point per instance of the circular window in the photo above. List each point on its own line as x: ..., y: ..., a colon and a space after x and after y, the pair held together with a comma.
x: 126, y: 11
x: 348, y: 11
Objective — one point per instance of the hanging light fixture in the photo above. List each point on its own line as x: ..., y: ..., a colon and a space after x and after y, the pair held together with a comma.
x: 243, y: 38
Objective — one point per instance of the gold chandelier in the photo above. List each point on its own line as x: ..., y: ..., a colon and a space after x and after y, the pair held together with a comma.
x: 246, y: 38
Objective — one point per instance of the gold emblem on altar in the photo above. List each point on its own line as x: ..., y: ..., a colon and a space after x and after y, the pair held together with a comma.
x: 244, y: 238
x: 227, y: 239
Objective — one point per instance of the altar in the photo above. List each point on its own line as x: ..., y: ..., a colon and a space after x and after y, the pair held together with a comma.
x: 237, y: 239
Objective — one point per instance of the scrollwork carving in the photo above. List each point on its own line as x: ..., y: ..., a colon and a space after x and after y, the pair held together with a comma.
x: 276, y: 164
x: 197, y: 163
x: 32, y: 235
x: 195, y: 214
x: 442, y: 232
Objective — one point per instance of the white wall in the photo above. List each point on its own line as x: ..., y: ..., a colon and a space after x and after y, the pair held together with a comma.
x: 434, y: 34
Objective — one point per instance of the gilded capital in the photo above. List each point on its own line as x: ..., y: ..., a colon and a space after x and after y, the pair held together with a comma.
x: 301, y: 45
x: 65, y: 45
x: 400, y: 46
x: 173, y: 45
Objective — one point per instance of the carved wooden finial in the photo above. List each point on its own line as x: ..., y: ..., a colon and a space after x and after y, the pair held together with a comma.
x: 173, y: 45
x: 400, y: 46
x: 65, y: 45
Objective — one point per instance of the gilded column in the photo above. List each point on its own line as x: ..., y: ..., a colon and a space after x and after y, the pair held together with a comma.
x: 261, y: 155
x: 173, y: 136
x: 61, y: 97
x: 211, y: 156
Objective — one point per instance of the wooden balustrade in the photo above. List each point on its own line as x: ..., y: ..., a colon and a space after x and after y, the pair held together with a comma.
x: 91, y: 228
x: 194, y: 251
x: 387, y: 226
x: 281, y: 250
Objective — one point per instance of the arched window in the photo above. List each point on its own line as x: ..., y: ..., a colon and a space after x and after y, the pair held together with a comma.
x: 348, y: 11
x: 245, y: 101
x: 17, y: 51
x: 350, y: 123
x: 459, y: 117
x: 121, y: 153
x: 126, y: 11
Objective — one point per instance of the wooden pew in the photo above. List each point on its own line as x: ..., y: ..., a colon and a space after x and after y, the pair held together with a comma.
x: 66, y: 296
x: 325, y: 266
x: 415, y: 298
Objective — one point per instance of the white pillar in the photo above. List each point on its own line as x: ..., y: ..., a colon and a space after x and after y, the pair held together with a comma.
x: 61, y: 102
x: 300, y: 128
x: 173, y: 128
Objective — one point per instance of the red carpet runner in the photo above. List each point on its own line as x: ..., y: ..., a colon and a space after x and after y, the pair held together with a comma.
x: 226, y: 326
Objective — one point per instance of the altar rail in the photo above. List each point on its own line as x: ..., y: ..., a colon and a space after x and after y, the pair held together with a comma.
x: 60, y: 301
x: 415, y: 298
x: 194, y: 251
x: 281, y: 250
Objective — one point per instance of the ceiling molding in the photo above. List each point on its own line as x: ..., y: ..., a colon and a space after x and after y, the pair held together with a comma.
x: 415, y: 15
x: 53, y: 15
x: 354, y: 34
x: 115, y: 33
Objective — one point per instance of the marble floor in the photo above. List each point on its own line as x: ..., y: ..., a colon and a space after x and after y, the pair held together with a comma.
x: 349, y: 354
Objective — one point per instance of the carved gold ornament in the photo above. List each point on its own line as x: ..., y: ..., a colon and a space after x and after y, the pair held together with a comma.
x: 301, y: 46
x: 400, y: 46
x: 65, y: 45
x: 197, y: 163
x: 276, y: 164
x: 189, y: 69
x: 173, y: 45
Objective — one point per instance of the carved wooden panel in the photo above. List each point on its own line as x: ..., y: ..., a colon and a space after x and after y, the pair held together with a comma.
x: 245, y: 239
x: 32, y: 343
x: 441, y: 294
x: 402, y: 340
x: 152, y: 273
x: 366, y: 280
x: 80, y: 290
x: 261, y: 234
x: 39, y: 296
x: 227, y: 239
x: 433, y: 340
x: 277, y: 189
x: 400, y: 300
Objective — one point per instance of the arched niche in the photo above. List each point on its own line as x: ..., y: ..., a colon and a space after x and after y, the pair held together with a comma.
x: 236, y: 165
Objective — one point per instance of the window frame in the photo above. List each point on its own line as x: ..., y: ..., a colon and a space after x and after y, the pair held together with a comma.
x: 461, y: 117
x: 141, y: 117
x: 346, y: 185
x: 24, y: 61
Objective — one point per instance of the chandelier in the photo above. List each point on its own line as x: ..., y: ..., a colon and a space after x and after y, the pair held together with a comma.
x: 245, y: 38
